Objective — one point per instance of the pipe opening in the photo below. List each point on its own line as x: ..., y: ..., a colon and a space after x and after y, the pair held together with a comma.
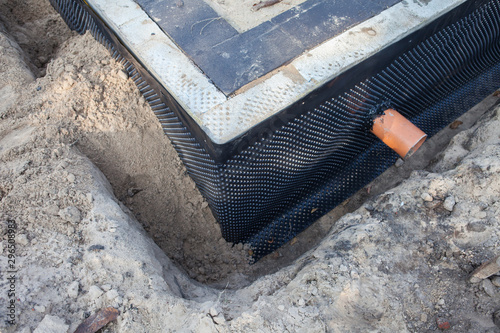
x: 398, y: 133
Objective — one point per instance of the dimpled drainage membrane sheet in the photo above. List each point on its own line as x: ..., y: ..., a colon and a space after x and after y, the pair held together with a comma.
x: 272, y: 119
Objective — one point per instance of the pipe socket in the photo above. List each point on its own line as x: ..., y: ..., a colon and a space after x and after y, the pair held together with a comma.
x: 398, y: 133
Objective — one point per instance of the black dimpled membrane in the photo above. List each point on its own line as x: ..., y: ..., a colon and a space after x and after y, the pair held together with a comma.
x: 269, y: 191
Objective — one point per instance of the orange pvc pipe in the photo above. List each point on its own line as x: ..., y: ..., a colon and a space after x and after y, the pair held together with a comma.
x: 398, y: 133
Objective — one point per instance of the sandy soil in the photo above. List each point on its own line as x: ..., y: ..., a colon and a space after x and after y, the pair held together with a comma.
x: 107, y: 216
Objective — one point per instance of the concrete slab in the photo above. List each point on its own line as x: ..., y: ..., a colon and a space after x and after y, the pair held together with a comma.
x: 228, y: 81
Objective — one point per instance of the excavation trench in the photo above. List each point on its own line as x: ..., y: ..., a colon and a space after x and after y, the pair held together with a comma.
x: 109, y: 121
x: 156, y: 188
x: 38, y: 31
x: 148, y: 177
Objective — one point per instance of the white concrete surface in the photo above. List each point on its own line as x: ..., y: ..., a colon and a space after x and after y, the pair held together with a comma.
x: 226, y: 117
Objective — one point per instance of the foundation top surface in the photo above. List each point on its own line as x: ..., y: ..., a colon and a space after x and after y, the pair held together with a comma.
x: 232, y: 64
x: 234, y: 42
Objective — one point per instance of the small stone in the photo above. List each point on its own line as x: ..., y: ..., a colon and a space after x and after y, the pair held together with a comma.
x: 443, y: 324
x: 496, y: 318
x: 474, y: 279
x: 495, y: 280
x: 22, y: 239
x: 95, y: 292
x: 67, y: 84
x: 63, y: 164
x: 56, y: 153
x: 486, y: 270
x: 123, y: 75
x: 70, y: 230
x: 133, y: 191
x: 482, y: 215
x: 456, y: 124
x: 98, y: 320
x: 489, y: 288
x: 475, y: 227
x: 32, y: 218
x: 39, y: 308
x: 111, y: 295
x: 70, y: 214
x: 52, y: 210
x: 449, y: 203
x: 21, y: 167
x: 51, y: 324
x: 73, y: 289
x: 118, y: 300
x: 426, y: 197
x: 71, y: 178
x: 96, y: 248
x: 106, y: 287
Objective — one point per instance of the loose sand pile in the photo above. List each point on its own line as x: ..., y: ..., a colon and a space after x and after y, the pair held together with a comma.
x: 106, y: 216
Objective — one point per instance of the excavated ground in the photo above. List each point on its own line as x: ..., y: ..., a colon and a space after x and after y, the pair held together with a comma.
x: 107, y: 216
